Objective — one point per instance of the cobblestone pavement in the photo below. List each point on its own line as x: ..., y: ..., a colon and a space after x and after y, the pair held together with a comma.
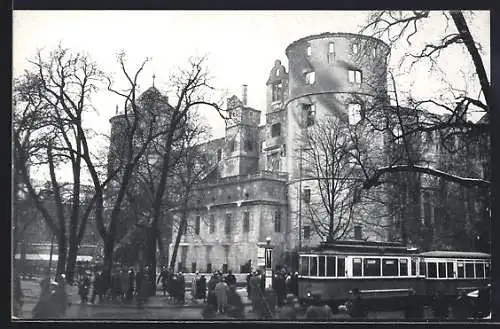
x: 157, y: 308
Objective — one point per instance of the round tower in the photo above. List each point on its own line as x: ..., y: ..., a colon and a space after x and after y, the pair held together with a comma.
x: 331, y: 74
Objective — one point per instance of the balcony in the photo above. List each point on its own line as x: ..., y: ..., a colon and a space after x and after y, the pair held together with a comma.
x: 282, y: 176
x: 274, y: 142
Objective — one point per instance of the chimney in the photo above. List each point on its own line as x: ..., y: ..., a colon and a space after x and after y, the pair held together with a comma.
x: 357, y: 232
x: 244, y: 98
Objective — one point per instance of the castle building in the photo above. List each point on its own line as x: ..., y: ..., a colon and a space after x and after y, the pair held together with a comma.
x: 257, y: 188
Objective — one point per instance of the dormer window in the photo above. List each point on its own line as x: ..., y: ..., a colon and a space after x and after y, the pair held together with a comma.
x: 308, y: 50
x: 310, y: 77
x: 354, y: 76
x: 355, y: 48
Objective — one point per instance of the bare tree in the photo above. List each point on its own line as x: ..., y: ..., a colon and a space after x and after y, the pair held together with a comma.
x: 51, y: 102
x: 402, y: 27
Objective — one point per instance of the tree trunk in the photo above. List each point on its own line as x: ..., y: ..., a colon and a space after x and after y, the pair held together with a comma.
x: 108, y: 258
x: 70, y: 265
x: 61, y: 254
x: 178, y: 238
x: 151, y: 251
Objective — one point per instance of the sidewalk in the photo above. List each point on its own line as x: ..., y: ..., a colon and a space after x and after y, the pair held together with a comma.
x: 160, y: 301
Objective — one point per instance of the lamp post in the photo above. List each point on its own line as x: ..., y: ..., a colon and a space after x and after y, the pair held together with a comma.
x: 268, y: 263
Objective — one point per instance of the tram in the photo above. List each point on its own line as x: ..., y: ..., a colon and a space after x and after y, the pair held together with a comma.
x: 386, y: 273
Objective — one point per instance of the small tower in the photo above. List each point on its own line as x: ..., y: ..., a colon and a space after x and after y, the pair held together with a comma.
x: 275, y: 131
x: 242, y: 136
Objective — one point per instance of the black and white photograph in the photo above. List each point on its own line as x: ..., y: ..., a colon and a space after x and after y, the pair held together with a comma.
x: 248, y: 166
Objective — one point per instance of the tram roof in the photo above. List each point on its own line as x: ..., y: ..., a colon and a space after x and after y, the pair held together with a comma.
x: 455, y: 254
x: 357, y: 246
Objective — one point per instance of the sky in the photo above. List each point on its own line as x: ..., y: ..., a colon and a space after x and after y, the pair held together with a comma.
x: 241, y: 46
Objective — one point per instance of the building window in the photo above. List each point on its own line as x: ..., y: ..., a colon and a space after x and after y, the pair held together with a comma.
x: 307, y: 232
x: 262, y: 146
x: 209, y: 267
x: 374, y: 52
x: 397, y: 134
x: 276, y: 130
x: 277, y: 221
x: 355, y: 48
x: 277, y: 92
x: 308, y: 50
x: 227, y: 224
x: 246, y: 222
x: 219, y: 154
x: 354, y: 111
x: 307, y: 195
x: 197, y: 225
x: 310, y: 77
x: 309, y: 114
x: 232, y: 145
x: 193, y: 267
x: 212, y: 224
x: 354, y: 76
x: 248, y: 146
x: 331, y: 48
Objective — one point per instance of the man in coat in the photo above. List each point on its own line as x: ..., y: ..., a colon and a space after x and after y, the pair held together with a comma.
x: 221, y: 294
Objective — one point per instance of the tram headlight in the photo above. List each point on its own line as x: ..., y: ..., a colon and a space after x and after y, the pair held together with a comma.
x: 308, y: 294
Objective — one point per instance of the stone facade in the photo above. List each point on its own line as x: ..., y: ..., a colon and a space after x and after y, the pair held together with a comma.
x: 255, y: 186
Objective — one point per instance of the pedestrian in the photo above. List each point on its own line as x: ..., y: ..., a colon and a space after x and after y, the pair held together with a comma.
x: 123, y: 285
x: 343, y: 314
x: 221, y: 294
x: 182, y: 288
x: 413, y: 307
x: 357, y: 306
x: 130, y: 288
x: 98, y: 287
x: 18, y: 296
x: 46, y: 306
x: 163, y: 278
x: 316, y: 311
x: 230, y: 278
x: 139, y: 278
x: 249, y: 275
x: 83, y: 288
x: 460, y: 307
x: 256, y: 293
x: 194, y: 285
x: 202, y: 289
x: 236, y: 309
x: 279, y: 287
x: 62, y: 297
x: 288, y: 311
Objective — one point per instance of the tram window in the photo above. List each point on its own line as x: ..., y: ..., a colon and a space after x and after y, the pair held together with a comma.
x: 413, y: 267
x: 480, y: 270
x: 356, y: 267
x: 431, y: 270
x: 403, y: 267
x: 340, y: 266
x: 390, y: 267
x: 442, y: 270
x: 460, y: 270
x: 304, y: 265
x: 314, y: 266
x: 487, y: 269
x: 449, y: 270
x: 321, y: 266
x: 422, y: 269
x: 371, y: 266
x: 330, y: 266
x: 469, y: 270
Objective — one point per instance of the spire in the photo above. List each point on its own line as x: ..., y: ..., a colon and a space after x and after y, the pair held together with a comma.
x: 154, y: 79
